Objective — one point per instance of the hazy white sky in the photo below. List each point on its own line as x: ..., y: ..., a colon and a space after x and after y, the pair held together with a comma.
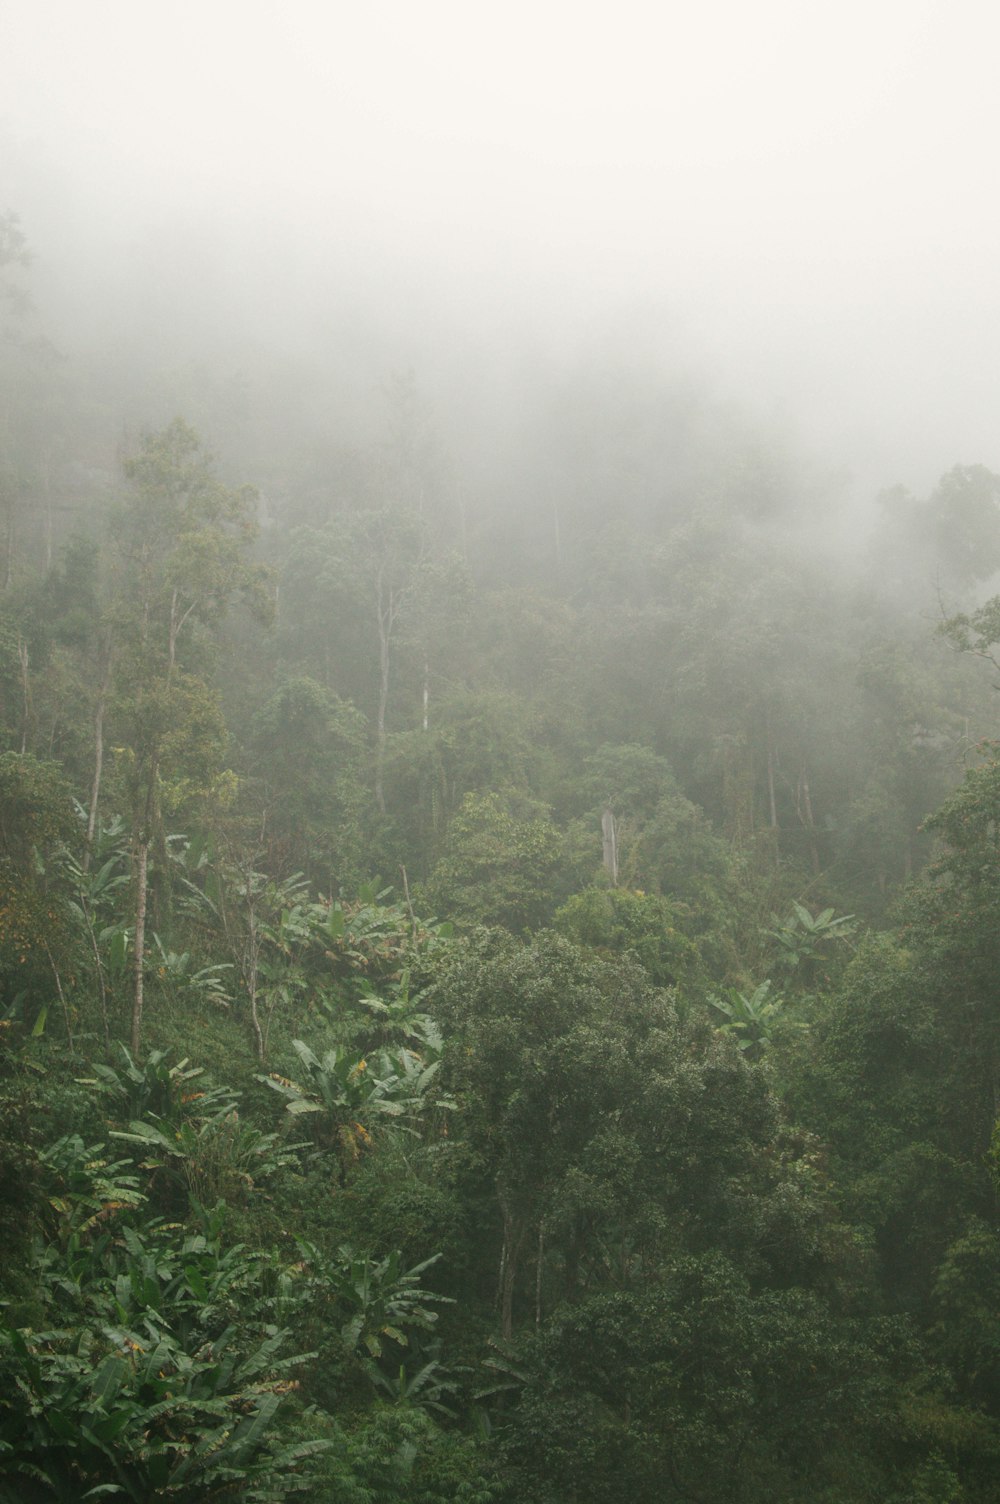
x: 808, y: 190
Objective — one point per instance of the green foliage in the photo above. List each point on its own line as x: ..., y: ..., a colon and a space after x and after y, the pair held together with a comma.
x: 186, y: 533
x: 37, y: 940
x: 399, y: 1016
x: 22, y: 1184
x: 373, y: 1300
x: 966, y: 1301
x: 952, y: 923
x: 194, y: 1144
x: 151, y: 1086
x: 427, y: 1388
x: 85, y: 1188
x: 351, y: 1094
x: 99, y: 885
x: 753, y: 1017
x: 212, y: 1153
x: 396, y: 1454
x: 688, y: 1273
x: 610, y: 1131
x: 498, y: 863
x: 168, y: 1386
x: 310, y: 747
x: 621, y: 921
x: 806, y: 940
x: 665, y: 844
x: 286, y: 948
x: 475, y: 741
x: 696, y: 1387
x: 935, y: 1483
x: 372, y: 939
x: 36, y: 811
x: 879, y: 1045
x: 963, y: 523
x: 177, y: 975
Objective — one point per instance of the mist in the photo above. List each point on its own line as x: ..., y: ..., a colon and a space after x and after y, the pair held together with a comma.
x: 790, y: 212
x: 499, y: 650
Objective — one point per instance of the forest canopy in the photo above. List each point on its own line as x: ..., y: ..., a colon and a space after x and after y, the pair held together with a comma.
x: 497, y: 996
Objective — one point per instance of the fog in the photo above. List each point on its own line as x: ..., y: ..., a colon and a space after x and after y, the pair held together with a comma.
x: 791, y: 211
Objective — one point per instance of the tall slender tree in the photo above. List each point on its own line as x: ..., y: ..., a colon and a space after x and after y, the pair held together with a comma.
x: 183, y: 540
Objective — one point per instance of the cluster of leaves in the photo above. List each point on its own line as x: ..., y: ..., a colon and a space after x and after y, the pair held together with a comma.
x: 153, y: 1357
x: 350, y: 1094
x: 164, y: 1372
x: 707, y: 1235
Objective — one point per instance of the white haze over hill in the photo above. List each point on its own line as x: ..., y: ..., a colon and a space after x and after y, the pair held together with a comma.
x: 795, y: 202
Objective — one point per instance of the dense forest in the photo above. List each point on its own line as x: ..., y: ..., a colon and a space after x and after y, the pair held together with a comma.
x: 499, y: 947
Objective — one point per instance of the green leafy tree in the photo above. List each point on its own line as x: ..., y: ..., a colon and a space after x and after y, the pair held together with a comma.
x: 617, y: 921
x: 963, y: 523
x: 477, y: 741
x: 309, y: 747
x: 753, y: 1018
x: 664, y: 842
x: 954, y: 922
x: 697, y: 1387
x: 182, y: 544
x: 606, y: 1130
x: 371, y: 565
x: 498, y: 863
x: 806, y: 941
x: 162, y: 1379
x: 37, y: 940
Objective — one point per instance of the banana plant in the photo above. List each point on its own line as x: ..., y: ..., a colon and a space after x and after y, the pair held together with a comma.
x: 213, y: 1152
x: 150, y: 1087
x: 349, y: 1092
x: 205, y: 983
x: 372, y: 1299
x: 425, y: 1388
x: 400, y: 1016
x: 157, y: 1391
x: 85, y: 1188
x: 805, y: 937
x: 750, y: 1017
x: 97, y: 883
x: 191, y: 1136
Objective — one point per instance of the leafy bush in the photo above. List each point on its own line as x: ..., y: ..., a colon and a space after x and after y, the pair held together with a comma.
x: 167, y: 1384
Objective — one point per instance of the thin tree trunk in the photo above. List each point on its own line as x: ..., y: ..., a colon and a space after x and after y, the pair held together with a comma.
x: 406, y: 895
x: 385, y: 617
x: 252, y: 976
x: 143, y: 843
x: 141, y: 893
x: 178, y: 620
x: 513, y: 1238
x: 99, y: 970
x: 772, y: 802
x: 808, y: 821
x: 62, y: 996
x: 22, y: 654
x: 258, y: 1033
x: 610, y: 853
x: 95, y: 787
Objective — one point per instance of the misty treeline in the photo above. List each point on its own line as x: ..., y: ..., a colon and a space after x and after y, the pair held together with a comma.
x: 498, y: 955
